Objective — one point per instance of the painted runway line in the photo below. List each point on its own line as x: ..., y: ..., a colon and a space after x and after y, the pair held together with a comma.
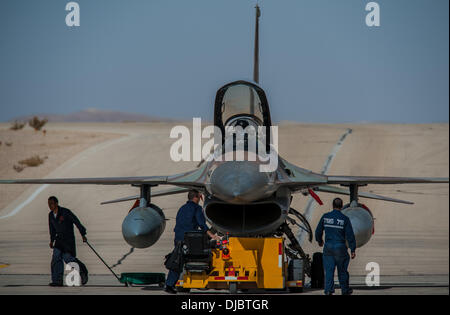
x: 27, y: 201
x: 311, y: 202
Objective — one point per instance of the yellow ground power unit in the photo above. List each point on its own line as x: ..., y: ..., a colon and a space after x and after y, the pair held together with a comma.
x: 238, y: 263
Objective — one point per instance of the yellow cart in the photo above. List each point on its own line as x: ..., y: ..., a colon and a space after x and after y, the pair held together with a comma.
x: 244, y: 263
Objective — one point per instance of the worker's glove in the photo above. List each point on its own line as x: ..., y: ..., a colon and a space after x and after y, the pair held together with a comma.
x: 320, y: 244
x: 84, y: 239
x: 353, y: 255
x: 51, y: 245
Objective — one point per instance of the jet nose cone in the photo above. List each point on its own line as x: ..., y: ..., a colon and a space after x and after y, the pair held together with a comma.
x: 239, y: 182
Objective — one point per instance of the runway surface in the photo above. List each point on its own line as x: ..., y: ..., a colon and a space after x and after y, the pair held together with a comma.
x: 411, y: 243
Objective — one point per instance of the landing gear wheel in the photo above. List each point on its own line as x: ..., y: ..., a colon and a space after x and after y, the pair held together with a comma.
x: 233, y: 287
x: 317, y: 276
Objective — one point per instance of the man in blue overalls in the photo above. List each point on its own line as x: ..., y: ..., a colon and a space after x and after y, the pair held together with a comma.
x: 62, y: 238
x: 190, y: 217
x: 338, y: 230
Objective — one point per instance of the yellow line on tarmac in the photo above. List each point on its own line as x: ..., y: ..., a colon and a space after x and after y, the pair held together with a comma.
x: 4, y: 265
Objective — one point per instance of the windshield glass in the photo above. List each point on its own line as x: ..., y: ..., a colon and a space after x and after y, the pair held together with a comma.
x: 241, y: 100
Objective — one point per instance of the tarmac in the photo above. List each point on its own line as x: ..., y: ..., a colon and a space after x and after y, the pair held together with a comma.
x: 107, y: 284
x: 410, y: 244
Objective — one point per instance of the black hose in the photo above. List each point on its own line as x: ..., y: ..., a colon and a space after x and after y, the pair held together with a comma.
x: 103, y: 261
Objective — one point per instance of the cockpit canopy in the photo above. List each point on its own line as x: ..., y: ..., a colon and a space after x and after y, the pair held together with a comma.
x: 241, y: 103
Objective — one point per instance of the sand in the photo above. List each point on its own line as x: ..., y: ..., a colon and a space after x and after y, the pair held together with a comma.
x: 55, y: 147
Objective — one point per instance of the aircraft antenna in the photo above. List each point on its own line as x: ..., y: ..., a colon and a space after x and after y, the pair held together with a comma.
x: 256, y: 52
x: 255, y: 59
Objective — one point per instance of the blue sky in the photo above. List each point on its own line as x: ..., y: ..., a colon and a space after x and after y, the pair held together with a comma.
x: 319, y: 60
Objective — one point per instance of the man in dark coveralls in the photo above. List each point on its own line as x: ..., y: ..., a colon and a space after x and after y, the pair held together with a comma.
x: 338, y: 232
x: 190, y: 217
x: 62, y: 238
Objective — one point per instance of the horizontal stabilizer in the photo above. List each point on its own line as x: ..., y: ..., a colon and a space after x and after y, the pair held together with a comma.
x: 344, y: 191
x: 364, y: 180
x: 165, y: 192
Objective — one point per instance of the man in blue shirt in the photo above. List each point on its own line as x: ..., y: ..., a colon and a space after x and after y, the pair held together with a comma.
x: 190, y: 217
x: 338, y: 230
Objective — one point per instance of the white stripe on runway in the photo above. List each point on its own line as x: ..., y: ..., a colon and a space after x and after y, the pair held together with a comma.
x: 27, y: 201
x: 311, y: 202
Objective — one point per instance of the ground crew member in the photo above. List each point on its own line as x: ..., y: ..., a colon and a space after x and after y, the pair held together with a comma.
x: 190, y: 217
x: 62, y: 238
x: 338, y: 230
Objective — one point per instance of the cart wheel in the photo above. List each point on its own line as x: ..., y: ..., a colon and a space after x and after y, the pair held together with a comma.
x: 161, y: 284
x: 233, y: 287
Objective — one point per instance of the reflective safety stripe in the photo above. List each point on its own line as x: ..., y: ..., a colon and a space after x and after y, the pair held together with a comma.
x: 230, y: 278
x: 333, y: 226
x: 280, y: 254
x: 295, y: 284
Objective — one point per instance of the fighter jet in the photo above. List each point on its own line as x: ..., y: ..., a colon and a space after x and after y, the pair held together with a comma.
x: 240, y: 199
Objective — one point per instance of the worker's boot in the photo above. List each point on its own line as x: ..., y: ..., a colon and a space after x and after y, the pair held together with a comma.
x: 56, y: 284
x: 170, y: 290
x: 349, y: 292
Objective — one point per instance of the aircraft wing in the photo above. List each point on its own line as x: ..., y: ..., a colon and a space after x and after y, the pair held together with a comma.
x: 297, y: 179
x: 191, y: 179
x: 92, y: 180
x: 364, y: 180
x: 346, y: 191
